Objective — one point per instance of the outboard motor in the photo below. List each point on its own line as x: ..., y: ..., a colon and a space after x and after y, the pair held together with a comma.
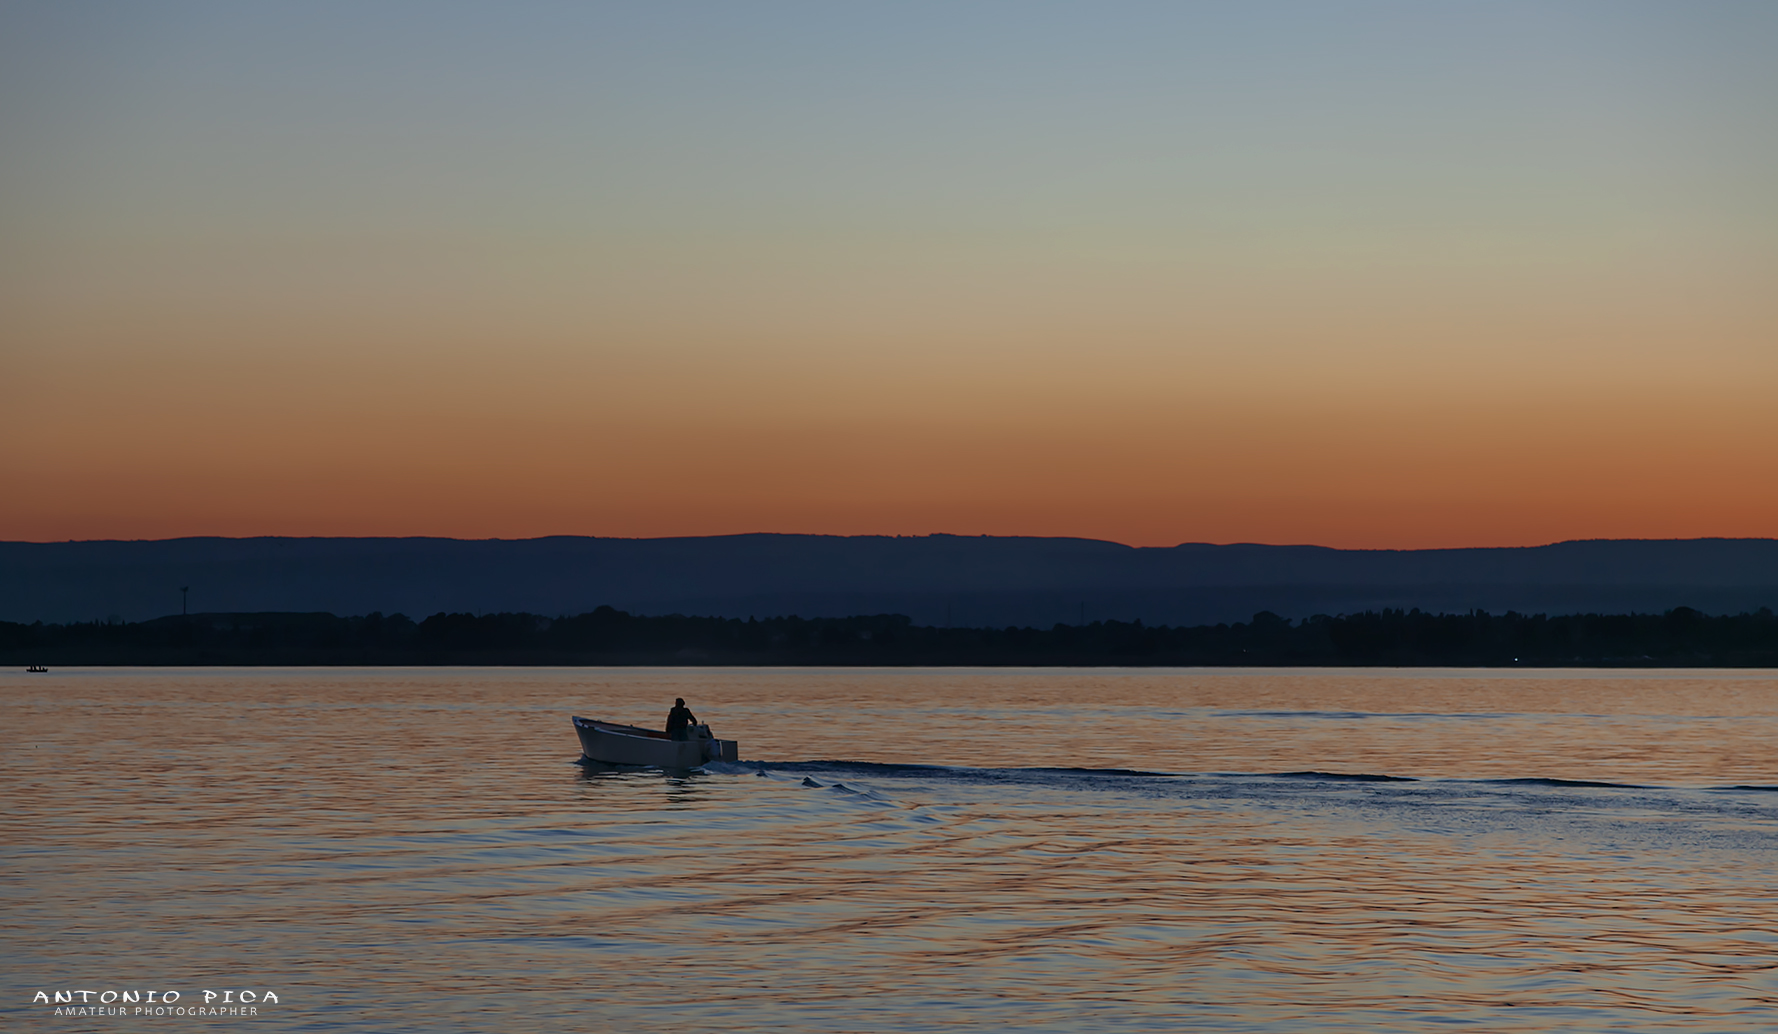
x: 715, y: 749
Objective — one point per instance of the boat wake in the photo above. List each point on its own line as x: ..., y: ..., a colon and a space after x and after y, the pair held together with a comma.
x: 1350, y: 777
x: 1546, y: 781
x: 816, y: 770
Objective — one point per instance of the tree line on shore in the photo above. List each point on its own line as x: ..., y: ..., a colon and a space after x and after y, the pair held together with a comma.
x: 1677, y: 638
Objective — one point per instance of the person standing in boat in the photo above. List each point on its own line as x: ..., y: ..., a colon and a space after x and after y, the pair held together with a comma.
x: 680, y: 720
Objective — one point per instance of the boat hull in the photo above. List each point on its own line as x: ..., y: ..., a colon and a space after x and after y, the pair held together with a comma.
x: 614, y: 744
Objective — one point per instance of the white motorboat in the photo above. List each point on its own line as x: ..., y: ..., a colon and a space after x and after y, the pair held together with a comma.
x: 615, y: 744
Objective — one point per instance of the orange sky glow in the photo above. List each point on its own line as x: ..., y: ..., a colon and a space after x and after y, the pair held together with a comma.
x: 1492, y: 288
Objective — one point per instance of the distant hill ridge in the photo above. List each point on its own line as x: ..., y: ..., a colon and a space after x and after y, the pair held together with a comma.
x: 987, y: 581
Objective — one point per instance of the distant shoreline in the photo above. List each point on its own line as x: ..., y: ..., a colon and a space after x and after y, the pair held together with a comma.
x: 1678, y: 638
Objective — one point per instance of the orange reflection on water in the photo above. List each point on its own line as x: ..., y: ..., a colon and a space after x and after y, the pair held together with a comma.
x: 392, y: 848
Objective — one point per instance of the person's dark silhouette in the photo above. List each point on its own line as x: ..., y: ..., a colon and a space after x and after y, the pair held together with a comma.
x: 680, y: 720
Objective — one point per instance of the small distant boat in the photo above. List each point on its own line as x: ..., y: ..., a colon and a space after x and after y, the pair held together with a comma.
x: 37, y: 669
x: 615, y: 744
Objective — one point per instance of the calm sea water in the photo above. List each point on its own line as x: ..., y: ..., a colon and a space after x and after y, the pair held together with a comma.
x: 903, y: 850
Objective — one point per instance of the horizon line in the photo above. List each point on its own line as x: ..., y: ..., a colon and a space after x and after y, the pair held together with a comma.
x: 829, y: 535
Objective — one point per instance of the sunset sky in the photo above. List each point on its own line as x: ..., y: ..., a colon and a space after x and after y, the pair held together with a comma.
x: 1356, y: 274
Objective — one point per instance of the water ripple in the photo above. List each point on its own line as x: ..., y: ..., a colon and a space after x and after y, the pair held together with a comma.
x: 160, y: 833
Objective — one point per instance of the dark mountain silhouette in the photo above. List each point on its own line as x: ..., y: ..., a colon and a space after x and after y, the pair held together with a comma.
x: 935, y: 580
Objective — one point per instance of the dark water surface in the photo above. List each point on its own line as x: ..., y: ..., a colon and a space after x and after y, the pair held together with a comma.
x: 907, y: 850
